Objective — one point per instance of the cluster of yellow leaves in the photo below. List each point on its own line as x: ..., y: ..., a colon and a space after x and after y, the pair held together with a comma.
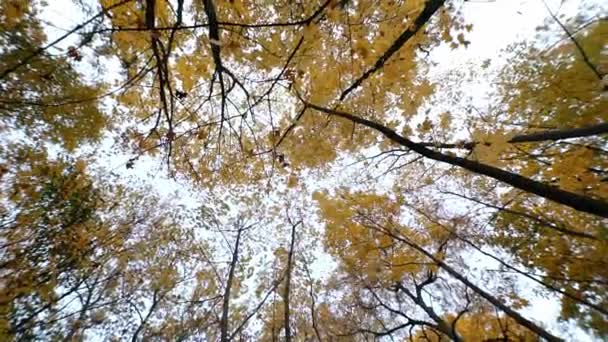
x: 358, y: 232
x: 66, y: 228
x: 46, y: 98
x: 560, y: 257
x: 131, y: 15
x: 292, y: 181
x: 190, y: 68
x: 451, y: 26
x: 53, y: 229
x: 558, y: 89
x: 572, y: 170
x: 318, y: 152
x: 344, y: 41
x: 335, y: 51
x: 12, y: 11
x: 483, y: 325
x: 491, y: 145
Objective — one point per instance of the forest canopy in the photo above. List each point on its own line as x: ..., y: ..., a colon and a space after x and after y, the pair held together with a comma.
x: 303, y: 170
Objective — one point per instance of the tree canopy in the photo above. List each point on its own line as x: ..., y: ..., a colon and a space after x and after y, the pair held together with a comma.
x: 321, y: 170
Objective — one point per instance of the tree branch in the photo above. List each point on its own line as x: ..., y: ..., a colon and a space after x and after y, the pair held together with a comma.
x: 430, y: 8
x: 570, y: 199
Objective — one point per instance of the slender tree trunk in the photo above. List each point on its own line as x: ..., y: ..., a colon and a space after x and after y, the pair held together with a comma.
x: 257, y: 308
x: 313, y: 304
x: 155, y: 300
x: 288, y: 282
x: 573, y: 200
x: 226, y: 300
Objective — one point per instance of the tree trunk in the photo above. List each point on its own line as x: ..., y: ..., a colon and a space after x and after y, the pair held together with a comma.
x: 226, y: 303
x: 288, y: 282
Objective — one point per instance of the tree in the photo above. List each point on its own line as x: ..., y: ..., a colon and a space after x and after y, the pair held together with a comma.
x: 80, y: 257
x: 44, y: 96
x: 253, y: 107
x: 547, y: 85
x: 367, y: 224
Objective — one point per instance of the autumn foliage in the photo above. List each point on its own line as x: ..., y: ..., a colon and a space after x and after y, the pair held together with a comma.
x: 214, y: 170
